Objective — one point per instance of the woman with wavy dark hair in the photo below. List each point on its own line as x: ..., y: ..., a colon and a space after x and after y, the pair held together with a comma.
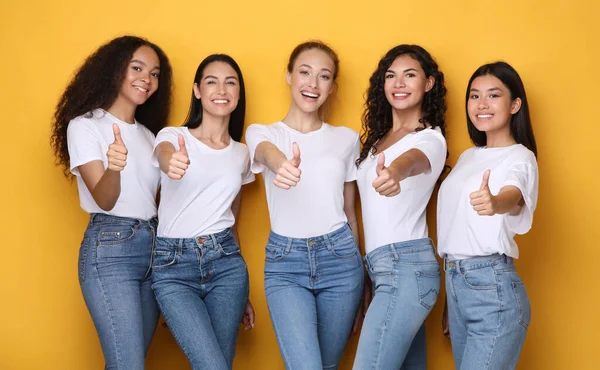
x: 199, y: 276
x: 103, y: 131
x: 403, y: 154
x: 489, y: 196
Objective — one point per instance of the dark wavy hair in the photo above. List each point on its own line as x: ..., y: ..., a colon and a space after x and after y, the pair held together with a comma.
x: 236, y: 121
x: 96, y: 84
x: 377, y: 117
x: 520, y: 122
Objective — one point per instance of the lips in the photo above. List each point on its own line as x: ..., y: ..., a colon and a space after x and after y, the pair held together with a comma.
x: 141, y: 89
x: 220, y: 101
x: 309, y: 95
x: 485, y: 116
x: 400, y: 95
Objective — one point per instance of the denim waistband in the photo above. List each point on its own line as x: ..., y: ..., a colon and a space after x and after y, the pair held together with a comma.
x: 203, y: 241
x: 475, y: 263
x: 408, y: 246
x: 312, y: 242
x: 101, y: 218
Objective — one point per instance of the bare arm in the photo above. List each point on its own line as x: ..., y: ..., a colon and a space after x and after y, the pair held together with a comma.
x: 349, y: 207
x: 235, y: 208
x: 287, y: 173
x: 173, y: 163
x: 509, y: 199
x: 104, y: 185
x: 410, y: 163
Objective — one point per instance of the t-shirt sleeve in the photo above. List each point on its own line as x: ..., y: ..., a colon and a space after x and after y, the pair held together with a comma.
x: 168, y: 134
x: 84, y: 144
x: 247, y: 175
x: 524, y: 176
x: 351, y: 170
x: 256, y: 134
x: 433, y: 145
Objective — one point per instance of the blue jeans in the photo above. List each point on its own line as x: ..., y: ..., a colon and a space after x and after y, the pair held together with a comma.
x: 313, y: 288
x: 406, y: 284
x: 114, y: 275
x: 201, y: 285
x: 488, y: 312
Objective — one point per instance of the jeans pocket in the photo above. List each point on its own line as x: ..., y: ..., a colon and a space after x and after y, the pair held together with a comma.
x: 115, y: 234
x: 480, y: 279
x: 163, y: 258
x: 274, y: 253
x: 344, y: 249
x: 523, y: 304
x: 83, y: 250
x: 229, y: 248
x: 428, y: 283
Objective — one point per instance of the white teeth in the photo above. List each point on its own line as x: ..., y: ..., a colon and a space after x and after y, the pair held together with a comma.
x: 220, y: 101
x: 141, y: 89
x: 401, y: 94
x: 309, y: 95
x: 484, y: 116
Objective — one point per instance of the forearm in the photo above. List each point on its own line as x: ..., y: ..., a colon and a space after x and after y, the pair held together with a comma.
x: 268, y: 155
x: 411, y: 163
x: 509, y: 200
x: 107, y: 190
x: 164, y: 154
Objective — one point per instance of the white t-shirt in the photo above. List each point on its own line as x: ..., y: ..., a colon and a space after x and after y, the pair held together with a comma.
x: 88, y: 140
x: 200, y: 202
x: 316, y: 205
x: 462, y: 233
x: 400, y: 218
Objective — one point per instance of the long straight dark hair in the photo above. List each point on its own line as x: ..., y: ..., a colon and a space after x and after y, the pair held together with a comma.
x: 236, y: 121
x: 520, y: 123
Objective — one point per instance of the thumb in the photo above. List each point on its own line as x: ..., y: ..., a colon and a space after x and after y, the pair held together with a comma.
x: 380, y: 163
x: 181, y: 142
x: 296, y: 157
x: 486, y: 179
x: 117, y: 132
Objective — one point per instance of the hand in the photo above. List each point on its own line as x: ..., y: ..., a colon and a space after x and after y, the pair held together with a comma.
x: 363, y: 307
x: 117, y: 152
x: 385, y: 183
x: 248, y: 318
x: 483, y: 201
x: 288, y: 174
x: 179, y: 161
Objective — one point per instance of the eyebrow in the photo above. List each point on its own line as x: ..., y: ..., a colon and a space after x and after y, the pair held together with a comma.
x: 142, y: 63
x: 322, y: 69
x: 215, y: 77
x: 406, y: 70
x: 492, y: 89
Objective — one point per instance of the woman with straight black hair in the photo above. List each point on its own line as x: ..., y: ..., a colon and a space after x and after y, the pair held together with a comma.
x: 103, y: 130
x: 489, y: 196
x: 199, y: 276
x: 401, y: 160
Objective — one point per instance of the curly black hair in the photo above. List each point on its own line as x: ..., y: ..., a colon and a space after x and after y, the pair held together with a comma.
x: 377, y: 117
x: 96, y: 85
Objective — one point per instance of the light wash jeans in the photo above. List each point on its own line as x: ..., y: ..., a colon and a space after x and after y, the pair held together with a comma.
x: 201, y: 286
x: 406, y: 284
x: 488, y: 312
x: 313, y: 288
x: 114, y: 275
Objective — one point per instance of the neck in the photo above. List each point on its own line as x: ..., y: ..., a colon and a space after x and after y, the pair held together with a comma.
x: 406, y: 119
x: 213, y: 128
x: 499, y: 138
x: 302, y: 121
x: 123, y: 110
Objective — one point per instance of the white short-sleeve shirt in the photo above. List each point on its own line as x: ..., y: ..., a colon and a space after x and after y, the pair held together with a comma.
x: 400, y: 218
x: 316, y: 205
x: 462, y: 233
x: 88, y: 138
x: 200, y: 202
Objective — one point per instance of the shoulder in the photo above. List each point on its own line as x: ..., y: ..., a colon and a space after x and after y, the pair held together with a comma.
x: 87, y: 122
x: 343, y: 133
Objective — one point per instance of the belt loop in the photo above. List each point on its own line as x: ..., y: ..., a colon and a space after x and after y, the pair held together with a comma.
x: 180, y: 247
x: 328, y: 242
x: 457, y: 264
x: 394, y: 252
x: 445, y: 263
x: 288, y: 247
x: 214, y: 240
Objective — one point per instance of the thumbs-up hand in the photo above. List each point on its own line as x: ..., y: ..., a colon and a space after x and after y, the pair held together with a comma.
x: 117, y: 152
x: 288, y: 174
x: 385, y: 183
x: 179, y: 161
x: 483, y: 200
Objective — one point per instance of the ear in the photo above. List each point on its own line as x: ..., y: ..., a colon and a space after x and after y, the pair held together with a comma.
x: 515, y: 106
x: 288, y: 78
x: 196, y: 90
x: 430, y: 83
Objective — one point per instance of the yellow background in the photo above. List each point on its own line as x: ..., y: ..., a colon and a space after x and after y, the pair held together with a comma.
x: 552, y: 43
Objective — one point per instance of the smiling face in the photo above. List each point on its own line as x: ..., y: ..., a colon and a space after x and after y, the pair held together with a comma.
x: 406, y: 83
x: 490, y: 105
x: 219, y: 89
x: 311, y: 80
x: 141, y: 78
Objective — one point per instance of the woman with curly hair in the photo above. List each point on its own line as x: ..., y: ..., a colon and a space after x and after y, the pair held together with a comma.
x: 103, y: 133
x: 403, y: 155
x: 489, y: 196
x: 313, y: 269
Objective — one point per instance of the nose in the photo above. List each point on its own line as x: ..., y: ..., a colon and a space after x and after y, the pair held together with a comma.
x: 482, y: 104
x: 314, y: 81
x: 399, y: 83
